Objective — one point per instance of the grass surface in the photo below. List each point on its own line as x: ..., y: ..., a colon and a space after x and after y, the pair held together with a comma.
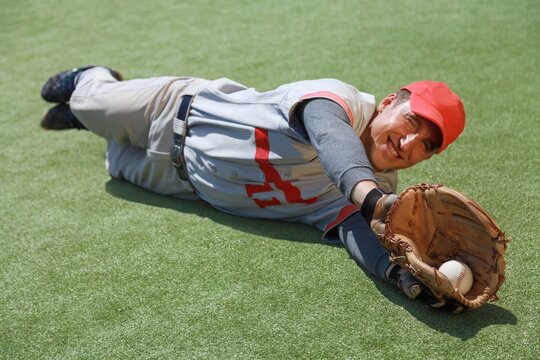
x: 92, y: 268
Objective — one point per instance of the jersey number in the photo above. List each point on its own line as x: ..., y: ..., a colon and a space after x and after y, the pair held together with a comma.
x: 292, y: 193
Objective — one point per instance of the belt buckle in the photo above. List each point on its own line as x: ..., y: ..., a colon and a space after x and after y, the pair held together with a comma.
x: 178, y: 161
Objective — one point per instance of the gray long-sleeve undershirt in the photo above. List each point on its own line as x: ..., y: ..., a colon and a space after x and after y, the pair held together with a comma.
x: 340, y: 151
x: 344, y: 159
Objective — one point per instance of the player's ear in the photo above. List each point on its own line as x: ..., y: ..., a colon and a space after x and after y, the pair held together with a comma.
x: 386, y: 101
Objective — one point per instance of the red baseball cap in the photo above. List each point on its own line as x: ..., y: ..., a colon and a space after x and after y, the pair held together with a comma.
x: 435, y: 101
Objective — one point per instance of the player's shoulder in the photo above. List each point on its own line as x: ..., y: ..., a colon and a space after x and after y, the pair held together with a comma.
x: 328, y: 82
x: 334, y: 89
x: 332, y: 85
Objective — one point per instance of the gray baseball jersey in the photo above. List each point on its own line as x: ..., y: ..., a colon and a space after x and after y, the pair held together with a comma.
x: 245, y: 159
x: 242, y: 156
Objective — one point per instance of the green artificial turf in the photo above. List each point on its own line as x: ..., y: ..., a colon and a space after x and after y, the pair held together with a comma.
x: 92, y: 268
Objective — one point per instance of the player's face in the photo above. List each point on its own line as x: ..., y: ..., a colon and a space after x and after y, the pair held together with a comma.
x: 397, y: 138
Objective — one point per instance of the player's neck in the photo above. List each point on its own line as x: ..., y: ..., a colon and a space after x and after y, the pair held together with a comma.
x: 365, y: 137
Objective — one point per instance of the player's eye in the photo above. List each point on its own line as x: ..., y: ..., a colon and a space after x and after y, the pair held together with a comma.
x: 412, y: 123
x: 428, y: 146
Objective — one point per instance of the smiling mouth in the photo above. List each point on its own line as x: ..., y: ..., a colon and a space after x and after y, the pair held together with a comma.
x: 392, y: 149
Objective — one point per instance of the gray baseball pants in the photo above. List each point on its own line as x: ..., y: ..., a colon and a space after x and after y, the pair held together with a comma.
x: 135, y: 117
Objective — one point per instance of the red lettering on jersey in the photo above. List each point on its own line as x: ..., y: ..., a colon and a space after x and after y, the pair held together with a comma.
x: 253, y: 189
x: 262, y: 155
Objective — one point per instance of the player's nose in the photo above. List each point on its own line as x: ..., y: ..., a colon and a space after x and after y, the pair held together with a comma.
x: 407, y: 142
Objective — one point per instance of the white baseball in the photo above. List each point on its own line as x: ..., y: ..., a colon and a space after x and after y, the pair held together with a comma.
x: 459, y: 274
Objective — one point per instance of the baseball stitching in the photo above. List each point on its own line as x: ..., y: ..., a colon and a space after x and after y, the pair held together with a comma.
x: 461, y: 276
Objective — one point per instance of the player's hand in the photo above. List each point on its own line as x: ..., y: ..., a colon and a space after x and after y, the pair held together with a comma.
x: 379, y: 213
x: 414, y: 289
x: 405, y: 281
x: 427, y: 297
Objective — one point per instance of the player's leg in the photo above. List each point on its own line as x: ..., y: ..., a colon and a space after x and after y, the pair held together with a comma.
x: 117, y: 110
x: 151, y: 171
x: 59, y: 87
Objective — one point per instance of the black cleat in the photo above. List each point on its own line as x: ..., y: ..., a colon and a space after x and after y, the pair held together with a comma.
x: 58, y: 88
x: 60, y: 117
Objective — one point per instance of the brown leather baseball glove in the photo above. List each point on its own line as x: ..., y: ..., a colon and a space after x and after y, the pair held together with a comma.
x: 428, y: 225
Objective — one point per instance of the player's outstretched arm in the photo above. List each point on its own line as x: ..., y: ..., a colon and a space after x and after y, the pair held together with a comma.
x: 338, y: 147
x: 347, y: 165
x: 343, y: 156
x: 365, y: 249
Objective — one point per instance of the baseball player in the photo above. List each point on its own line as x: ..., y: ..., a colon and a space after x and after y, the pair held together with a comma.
x: 318, y: 152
